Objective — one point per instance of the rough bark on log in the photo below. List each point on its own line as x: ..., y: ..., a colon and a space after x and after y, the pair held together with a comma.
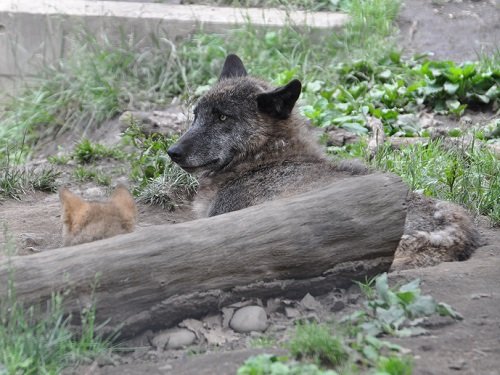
x: 160, y: 275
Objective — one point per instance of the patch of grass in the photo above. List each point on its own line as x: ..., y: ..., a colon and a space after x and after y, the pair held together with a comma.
x: 266, y: 364
x: 83, y: 174
x: 168, y: 189
x: 394, y: 366
x: 372, y: 23
x: 31, y: 344
x: 315, y: 342
x: 263, y: 342
x: 159, y: 181
x: 59, y: 159
x: 469, y: 175
x: 16, y: 181
x: 86, y: 152
x: 97, y: 81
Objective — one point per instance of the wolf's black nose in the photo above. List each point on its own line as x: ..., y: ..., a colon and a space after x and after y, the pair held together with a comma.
x: 175, y: 153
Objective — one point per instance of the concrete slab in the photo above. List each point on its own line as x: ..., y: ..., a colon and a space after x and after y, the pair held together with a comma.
x: 175, y: 13
x: 34, y: 33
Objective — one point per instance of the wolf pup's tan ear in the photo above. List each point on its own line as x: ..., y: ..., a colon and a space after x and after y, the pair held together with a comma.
x: 73, y: 208
x: 125, y: 202
x: 279, y: 102
x: 233, y: 68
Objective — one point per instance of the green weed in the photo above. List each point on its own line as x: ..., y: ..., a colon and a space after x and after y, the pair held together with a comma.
x: 266, y: 364
x: 392, y: 90
x: 394, y: 366
x: 83, y: 174
x: 159, y: 181
x: 397, y: 312
x: 315, y: 342
x: 86, y: 152
x: 263, y: 342
x: 59, y: 159
x: 468, y: 175
x: 16, y: 181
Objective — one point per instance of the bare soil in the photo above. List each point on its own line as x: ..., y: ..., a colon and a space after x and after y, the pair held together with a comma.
x: 455, y: 30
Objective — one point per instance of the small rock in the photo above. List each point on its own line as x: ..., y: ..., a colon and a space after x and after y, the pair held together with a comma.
x: 273, y: 305
x: 106, y: 360
x: 310, y: 303
x: 249, y: 318
x: 166, y: 367
x: 213, y: 321
x: 480, y: 295
x: 353, y: 298
x: 30, y: 240
x: 219, y: 337
x: 227, y: 314
x: 291, y: 312
x: 174, y: 339
x: 310, y: 318
x: 338, y: 305
x: 458, y: 365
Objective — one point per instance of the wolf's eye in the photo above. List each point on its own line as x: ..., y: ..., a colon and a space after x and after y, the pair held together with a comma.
x: 222, y: 117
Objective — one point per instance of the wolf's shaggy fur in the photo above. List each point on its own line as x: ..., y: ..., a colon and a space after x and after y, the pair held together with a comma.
x: 248, y: 146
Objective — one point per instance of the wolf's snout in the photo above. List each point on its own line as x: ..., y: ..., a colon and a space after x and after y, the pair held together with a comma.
x: 176, y: 153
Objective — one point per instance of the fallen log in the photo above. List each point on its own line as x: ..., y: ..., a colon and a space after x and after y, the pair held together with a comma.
x: 160, y: 275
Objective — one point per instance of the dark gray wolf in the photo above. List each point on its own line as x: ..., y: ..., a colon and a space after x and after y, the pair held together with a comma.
x: 248, y: 145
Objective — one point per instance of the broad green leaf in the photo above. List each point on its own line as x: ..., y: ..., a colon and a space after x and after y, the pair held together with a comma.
x: 452, y: 104
x: 354, y: 127
x: 386, y: 74
x: 392, y: 315
x: 422, y: 306
x: 370, y: 353
x: 406, y: 297
x: 412, y: 286
x: 444, y: 309
x: 493, y: 92
x: 314, y: 86
x: 451, y: 88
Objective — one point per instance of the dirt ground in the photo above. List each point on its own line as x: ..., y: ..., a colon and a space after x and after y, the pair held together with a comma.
x: 450, y: 29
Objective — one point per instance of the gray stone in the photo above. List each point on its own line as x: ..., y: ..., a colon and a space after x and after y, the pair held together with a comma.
x: 248, y: 319
x: 310, y: 303
x: 173, y: 339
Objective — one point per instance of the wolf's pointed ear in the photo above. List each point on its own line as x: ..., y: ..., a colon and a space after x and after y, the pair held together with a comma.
x: 73, y: 207
x: 279, y: 102
x: 125, y: 203
x: 233, y: 67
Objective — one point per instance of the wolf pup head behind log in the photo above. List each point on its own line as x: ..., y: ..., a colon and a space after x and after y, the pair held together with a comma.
x: 248, y: 145
x: 86, y: 221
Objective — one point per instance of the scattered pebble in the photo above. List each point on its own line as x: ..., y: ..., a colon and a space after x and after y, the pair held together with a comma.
x: 249, y: 318
x: 338, y: 305
x: 310, y: 303
x: 458, y: 365
x: 292, y: 312
x: 174, y: 339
